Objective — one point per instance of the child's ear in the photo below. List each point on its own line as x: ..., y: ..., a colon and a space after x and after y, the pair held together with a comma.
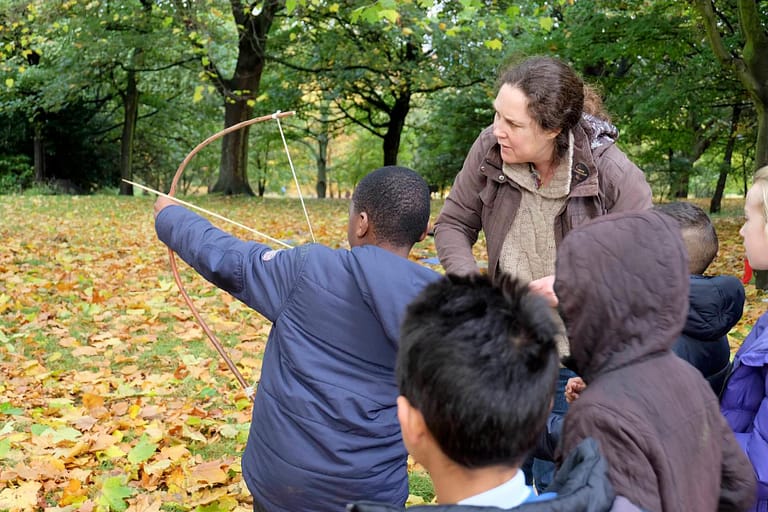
x: 362, y: 226
x: 411, y: 423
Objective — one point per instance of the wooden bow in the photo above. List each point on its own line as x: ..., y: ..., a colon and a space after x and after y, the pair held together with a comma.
x: 249, y: 390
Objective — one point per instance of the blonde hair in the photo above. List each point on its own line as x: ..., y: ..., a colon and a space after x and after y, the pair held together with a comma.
x: 761, y: 179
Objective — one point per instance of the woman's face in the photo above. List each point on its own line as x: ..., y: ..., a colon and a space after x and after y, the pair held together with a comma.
x: 753, y: 231
x: 521, y: 138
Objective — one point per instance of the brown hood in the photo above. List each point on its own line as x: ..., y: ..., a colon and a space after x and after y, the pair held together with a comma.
x: 622, y: 282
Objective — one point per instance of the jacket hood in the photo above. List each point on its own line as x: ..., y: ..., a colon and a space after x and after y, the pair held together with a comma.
x: 622, y: 283
x: 716, y: 305
x: 383, y: 278
x: 600, y: 131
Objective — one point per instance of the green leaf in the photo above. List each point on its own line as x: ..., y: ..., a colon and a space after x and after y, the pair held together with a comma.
x: 5, y: 447
x: 7, y: 408
x: 494, y: 44
x: 390, y: 14
x: 228, y: 431
x: 290, y: 6
x: 546, y: 23
x: 66, y: 434
x: 114, y: 492
x: 142, y: 451
x: 38, y: 429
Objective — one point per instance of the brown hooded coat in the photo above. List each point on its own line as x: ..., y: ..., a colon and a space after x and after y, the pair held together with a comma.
x: 622, y: 281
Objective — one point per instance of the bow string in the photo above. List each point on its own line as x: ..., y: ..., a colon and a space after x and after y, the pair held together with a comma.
x: 249, y: 390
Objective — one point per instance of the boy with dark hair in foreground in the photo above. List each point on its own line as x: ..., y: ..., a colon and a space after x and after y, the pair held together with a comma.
x: 476, y: 368
x: 324, y: 428
x: 716, y: 303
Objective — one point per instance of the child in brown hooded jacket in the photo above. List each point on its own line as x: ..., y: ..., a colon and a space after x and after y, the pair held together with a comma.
x: 622, y: 282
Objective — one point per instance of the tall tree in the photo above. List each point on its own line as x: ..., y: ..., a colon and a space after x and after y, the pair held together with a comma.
x: 376, y: 63
x: 239, y: 89
x: 623, y: 47
x: 737, y: 31
x: 117, y: 61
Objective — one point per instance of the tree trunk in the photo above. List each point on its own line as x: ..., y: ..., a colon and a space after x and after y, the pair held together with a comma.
x: 233, y: 168
x: 240, y: 90
x: 395, y: 128
x: 39, y: 152
x: 322, y: 165
x: 761, y: 151
x: 261, y: 185
x: 717, y: 197
x: 682, y: 183
x: 131, y: 111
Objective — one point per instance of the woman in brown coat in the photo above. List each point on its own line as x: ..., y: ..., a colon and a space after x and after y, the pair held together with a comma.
x: 547, y: 164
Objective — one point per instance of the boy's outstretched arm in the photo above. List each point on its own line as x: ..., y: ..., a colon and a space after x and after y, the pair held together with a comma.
x: 251, y: 272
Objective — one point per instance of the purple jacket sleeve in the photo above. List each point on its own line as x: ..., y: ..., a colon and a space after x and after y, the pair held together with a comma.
x: 745, y: 402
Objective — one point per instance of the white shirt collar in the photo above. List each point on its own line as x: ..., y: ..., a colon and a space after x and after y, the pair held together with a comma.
x: 508, y: 495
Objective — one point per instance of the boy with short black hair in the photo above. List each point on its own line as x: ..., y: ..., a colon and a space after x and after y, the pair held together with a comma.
x: 324, y: 427
x: 476, y: 369
x: 716, y: 303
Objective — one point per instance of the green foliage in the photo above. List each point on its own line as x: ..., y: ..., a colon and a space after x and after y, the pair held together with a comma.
x: 16, y: 173
x: 661, y: 84
x: 413, y: 75
x: 142, y: 451
x: 114, y: 492
x: 461, y: 116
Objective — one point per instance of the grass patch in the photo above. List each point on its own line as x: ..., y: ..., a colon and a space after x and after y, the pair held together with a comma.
x: 420, y: 484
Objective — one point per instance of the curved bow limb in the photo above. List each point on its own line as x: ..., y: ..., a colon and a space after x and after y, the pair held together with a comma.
x: 249, y: 391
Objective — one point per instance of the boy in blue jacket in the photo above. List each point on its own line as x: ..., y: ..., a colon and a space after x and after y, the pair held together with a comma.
x: 716, y: 303
x: 324, y: 427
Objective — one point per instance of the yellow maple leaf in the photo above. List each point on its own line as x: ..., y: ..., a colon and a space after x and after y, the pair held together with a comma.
x: 23, y: 497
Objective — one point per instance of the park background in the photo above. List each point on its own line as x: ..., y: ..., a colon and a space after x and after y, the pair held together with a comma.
x: 112, y: 399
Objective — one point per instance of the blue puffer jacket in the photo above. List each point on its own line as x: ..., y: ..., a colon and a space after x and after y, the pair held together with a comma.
x: 324, y: 429
x: 715, y: 306
x: 745, y: 404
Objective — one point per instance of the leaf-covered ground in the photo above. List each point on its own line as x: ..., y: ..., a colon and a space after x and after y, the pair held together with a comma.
x: 111, y: 396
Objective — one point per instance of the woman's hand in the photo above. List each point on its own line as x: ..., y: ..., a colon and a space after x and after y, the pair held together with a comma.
x: 545, y: 286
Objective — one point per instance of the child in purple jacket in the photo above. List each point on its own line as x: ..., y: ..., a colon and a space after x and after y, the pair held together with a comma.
x: 745, y: 398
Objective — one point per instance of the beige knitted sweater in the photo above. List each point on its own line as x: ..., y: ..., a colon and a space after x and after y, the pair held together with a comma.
x: 529, y: 250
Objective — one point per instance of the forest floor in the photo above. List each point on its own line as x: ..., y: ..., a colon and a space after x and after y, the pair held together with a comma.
x: 112, y: 397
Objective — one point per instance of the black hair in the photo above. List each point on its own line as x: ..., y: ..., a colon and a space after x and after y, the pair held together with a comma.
x: 479, y: 361
x: 396, y: 200
x: 555, y: 95
x: 698, y: 233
